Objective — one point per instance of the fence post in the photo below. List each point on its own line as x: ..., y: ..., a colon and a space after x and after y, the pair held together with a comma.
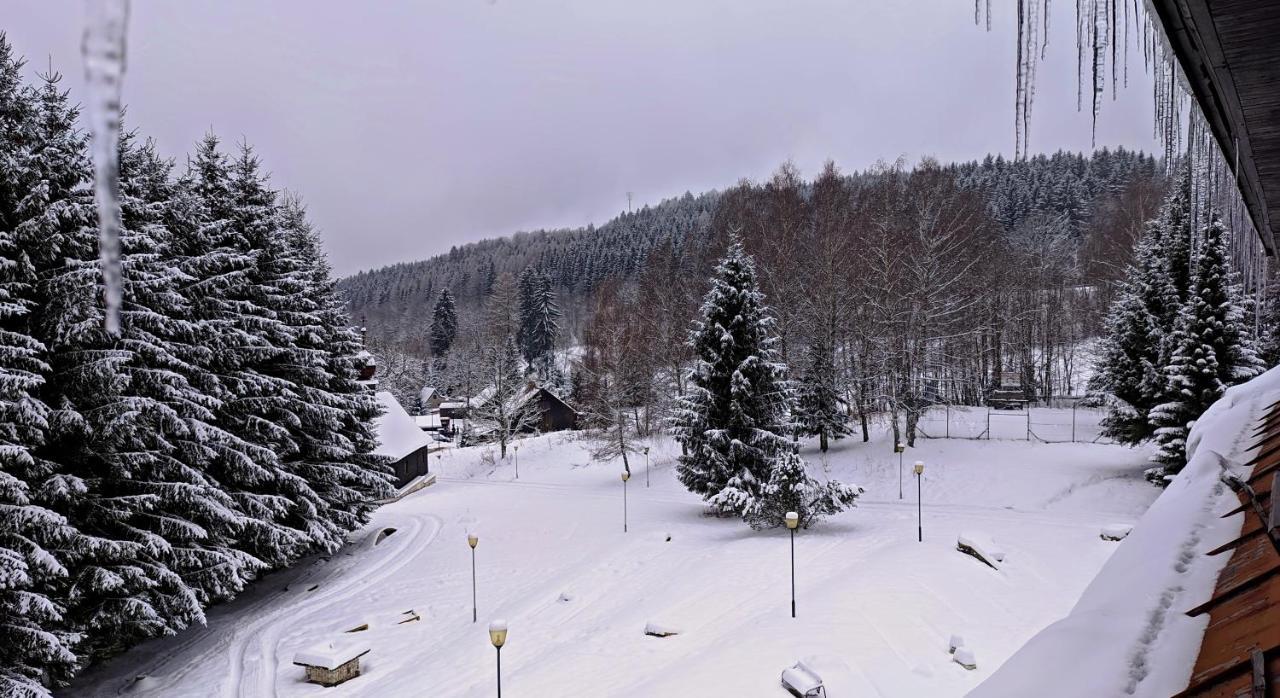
x: 988, y: 424
x: 948, y: 406
x: 1028, y: 422
x: 1073, y: 422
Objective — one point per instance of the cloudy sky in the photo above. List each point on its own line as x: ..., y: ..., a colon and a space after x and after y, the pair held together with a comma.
x: 410, y: 127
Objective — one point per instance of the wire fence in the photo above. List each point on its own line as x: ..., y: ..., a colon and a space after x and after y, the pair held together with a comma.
x: 1067, y: 424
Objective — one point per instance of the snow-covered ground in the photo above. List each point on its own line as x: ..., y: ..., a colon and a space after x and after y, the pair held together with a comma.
x: 875, y: 607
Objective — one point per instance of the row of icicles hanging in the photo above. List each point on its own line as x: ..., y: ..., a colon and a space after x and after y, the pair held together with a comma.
x: 1104, y: 29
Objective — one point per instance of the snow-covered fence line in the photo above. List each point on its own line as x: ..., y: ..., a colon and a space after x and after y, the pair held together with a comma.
x: 1073, y: 424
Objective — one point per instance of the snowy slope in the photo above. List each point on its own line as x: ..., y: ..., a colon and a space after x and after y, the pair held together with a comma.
x: 1130, y: 628
x: 875, y: 607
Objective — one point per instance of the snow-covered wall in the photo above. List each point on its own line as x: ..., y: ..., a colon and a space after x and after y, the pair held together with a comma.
x: 1129, y: 633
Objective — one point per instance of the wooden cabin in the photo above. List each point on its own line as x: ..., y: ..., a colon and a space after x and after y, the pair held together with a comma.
x: 401, y: 441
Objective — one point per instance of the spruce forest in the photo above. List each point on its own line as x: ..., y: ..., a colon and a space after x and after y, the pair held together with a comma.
x: 877, y: 328
x: 222, y: 435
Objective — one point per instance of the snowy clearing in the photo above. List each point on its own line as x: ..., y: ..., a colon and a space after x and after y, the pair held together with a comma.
x: 876, y: 609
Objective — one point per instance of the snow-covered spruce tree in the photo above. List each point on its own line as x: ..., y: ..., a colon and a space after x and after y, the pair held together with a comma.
x: 1211, y: 351
x: 1135, y: 348
x: 791, y: 488
x: 230, y: 291
x: 271, y: 404
x: 33, y: 641
x: 526, y: 287
x: 733, y: 420
x: 332, y: 420
x: 544, y: 326
x: 137, y: 441
x: 539, y: 320
x: 444, y: 327
x: 817, y: 405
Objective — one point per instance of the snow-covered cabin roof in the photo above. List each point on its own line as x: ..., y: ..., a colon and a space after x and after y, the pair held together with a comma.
x: 426, y: 394
x: 477, y: 401
x: 398, y: 434
x: 427, y: 421
x: 330, y: 655
x: 530, y: 392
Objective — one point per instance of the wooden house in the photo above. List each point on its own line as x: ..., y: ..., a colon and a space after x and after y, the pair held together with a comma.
x: 401, y: 441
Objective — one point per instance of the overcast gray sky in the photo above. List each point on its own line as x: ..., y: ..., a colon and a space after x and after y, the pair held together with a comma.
x: 409, y: 127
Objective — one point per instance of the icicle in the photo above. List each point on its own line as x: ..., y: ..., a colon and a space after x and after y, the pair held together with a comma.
x: 103, y: 49
x: 1044, y: 40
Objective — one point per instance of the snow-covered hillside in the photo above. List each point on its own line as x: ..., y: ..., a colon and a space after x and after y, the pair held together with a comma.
x: 875, y: 607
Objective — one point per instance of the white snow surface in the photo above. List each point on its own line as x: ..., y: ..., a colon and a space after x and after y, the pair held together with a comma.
x: 398, y: 433
x: 330, y: 655
x: 875, y: 608
x: 1129, y: 633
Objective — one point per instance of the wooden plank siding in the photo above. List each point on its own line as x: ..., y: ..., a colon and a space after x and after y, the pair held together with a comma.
x: 1240, y: 653
x: 1229, y: 51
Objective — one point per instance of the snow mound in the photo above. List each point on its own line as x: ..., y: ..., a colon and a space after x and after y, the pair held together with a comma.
x: 964, y: 657
x: 957, y: 641
x: 1130, y: 626
x: 1116, y: 531
x: 981, y: 546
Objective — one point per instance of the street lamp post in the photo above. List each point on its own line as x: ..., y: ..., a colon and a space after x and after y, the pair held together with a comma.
x: 515, y: 450
x: 793, y: 520
x: 498, y: 636
x: 899, y: 448
x: 919, y: 512
x: 646, y: 466
x: 473, y: 540
x: 626, y: 475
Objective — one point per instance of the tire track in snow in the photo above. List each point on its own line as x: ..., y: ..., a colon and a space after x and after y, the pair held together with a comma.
x: 263, y: 634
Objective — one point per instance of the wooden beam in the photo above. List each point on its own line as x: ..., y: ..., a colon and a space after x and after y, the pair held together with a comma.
x: 1259, y: 662
x: 1189, y: 26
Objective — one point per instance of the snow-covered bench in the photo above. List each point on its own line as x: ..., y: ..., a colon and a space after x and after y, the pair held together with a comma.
x: 803, y: 682
x: 1116, y: 531
x: 981, y: 546
x: 660, y: 630
x: 330, y: 664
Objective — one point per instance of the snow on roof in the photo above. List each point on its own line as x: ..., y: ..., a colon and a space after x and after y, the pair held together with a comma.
x: 398, y: 434
x: 427, y: 421
x: 1129, y: 633
x: 330, y: 655
x: 426, y: 394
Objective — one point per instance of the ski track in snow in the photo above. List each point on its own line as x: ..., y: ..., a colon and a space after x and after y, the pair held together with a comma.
x: 252, y: 649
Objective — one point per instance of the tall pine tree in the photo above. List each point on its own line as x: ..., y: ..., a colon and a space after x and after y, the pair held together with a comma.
x: 34, y: 642
x: 733, y: 419
x: 1211, y: 350
x: 817, y: 408
x: 444, y: 326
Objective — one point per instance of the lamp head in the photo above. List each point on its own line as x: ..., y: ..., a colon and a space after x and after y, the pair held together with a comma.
x: 899, y: 448
x: 626, y: 476
x: 472, y: 540
x: 498, y: 633
x: 919, y: 467
x: 792, y: 519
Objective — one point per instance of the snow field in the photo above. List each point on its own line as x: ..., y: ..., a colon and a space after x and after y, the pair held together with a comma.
x: 875, y: 608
